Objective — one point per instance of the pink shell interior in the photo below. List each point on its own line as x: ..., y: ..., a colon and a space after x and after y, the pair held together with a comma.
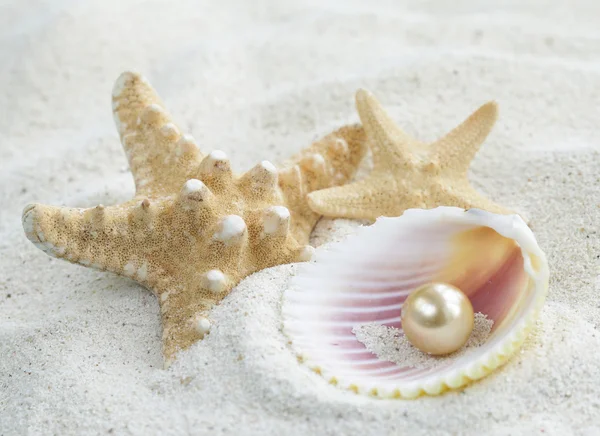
x: 330, y: 299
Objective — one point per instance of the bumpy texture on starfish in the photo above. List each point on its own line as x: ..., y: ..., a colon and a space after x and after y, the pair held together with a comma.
x: 408, y: 173
x: 193, y: 229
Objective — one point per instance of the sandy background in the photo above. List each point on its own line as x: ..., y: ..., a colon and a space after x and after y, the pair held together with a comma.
x: 80, y: 350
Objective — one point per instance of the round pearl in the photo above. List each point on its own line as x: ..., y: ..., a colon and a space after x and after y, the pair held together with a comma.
x: 437, y: 318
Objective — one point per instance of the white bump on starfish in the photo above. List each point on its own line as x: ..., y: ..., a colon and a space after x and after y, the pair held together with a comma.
x: 263, y: 173
x: 216, y: 169
x: 276, y: 220
x: 185, y: 144
x: 217, y: 155
x: 95, y: 215
x: 143, y: 214
x: 202, y: 326
x: 129, y: 269
x: 195, y: 190
x: 341, y: 146
x: 169, y: 131
x: 307, y: 253
x: 215, y: 281
x: 292, y: 176
x: 315, y: 162
x: 58, y: 251
x: 231, y: 229
x: 142, y: 272
x: 153, y: 113
x: 261, y: 180
x: 268, y: 166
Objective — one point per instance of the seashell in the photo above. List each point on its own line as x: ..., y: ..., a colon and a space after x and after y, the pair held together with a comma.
x: 494, y: 259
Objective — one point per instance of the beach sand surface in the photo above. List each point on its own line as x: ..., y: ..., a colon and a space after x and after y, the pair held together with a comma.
x: 80, y: 350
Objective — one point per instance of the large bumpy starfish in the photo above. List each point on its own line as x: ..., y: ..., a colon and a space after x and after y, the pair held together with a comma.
x: 193, y: 229
x: 408, y: 173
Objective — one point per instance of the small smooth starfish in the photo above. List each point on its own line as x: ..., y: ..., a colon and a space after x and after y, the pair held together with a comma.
x: 408, y: 173
x: 193, y: 229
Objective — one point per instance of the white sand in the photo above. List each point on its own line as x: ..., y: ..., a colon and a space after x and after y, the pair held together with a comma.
x: 80, y: 350
x: 390, y: 344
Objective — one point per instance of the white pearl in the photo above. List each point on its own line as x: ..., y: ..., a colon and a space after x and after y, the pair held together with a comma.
x: 437, y: 318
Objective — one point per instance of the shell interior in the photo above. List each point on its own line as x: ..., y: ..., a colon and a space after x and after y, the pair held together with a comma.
x: 494, y: 259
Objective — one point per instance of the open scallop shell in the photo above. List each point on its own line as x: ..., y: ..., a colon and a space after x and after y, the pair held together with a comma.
x: 494, y: 259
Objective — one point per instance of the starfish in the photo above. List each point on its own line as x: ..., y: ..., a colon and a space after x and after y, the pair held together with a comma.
x: 408, y: 173
x: 194, y: 229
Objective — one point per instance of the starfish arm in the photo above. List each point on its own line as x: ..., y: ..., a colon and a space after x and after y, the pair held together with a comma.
x: 476, y: 200
x: 185, y: 305
x: 460, y: 193
x: 457, y: 149
x: 367, y: 199
x: 332, y: 161
x: 160, y: 157
x: 388, y: 142
x: 104, y: 238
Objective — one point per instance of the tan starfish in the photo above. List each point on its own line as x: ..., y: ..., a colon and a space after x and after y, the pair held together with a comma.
x: 408, y: 173
x: 193, y: 229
